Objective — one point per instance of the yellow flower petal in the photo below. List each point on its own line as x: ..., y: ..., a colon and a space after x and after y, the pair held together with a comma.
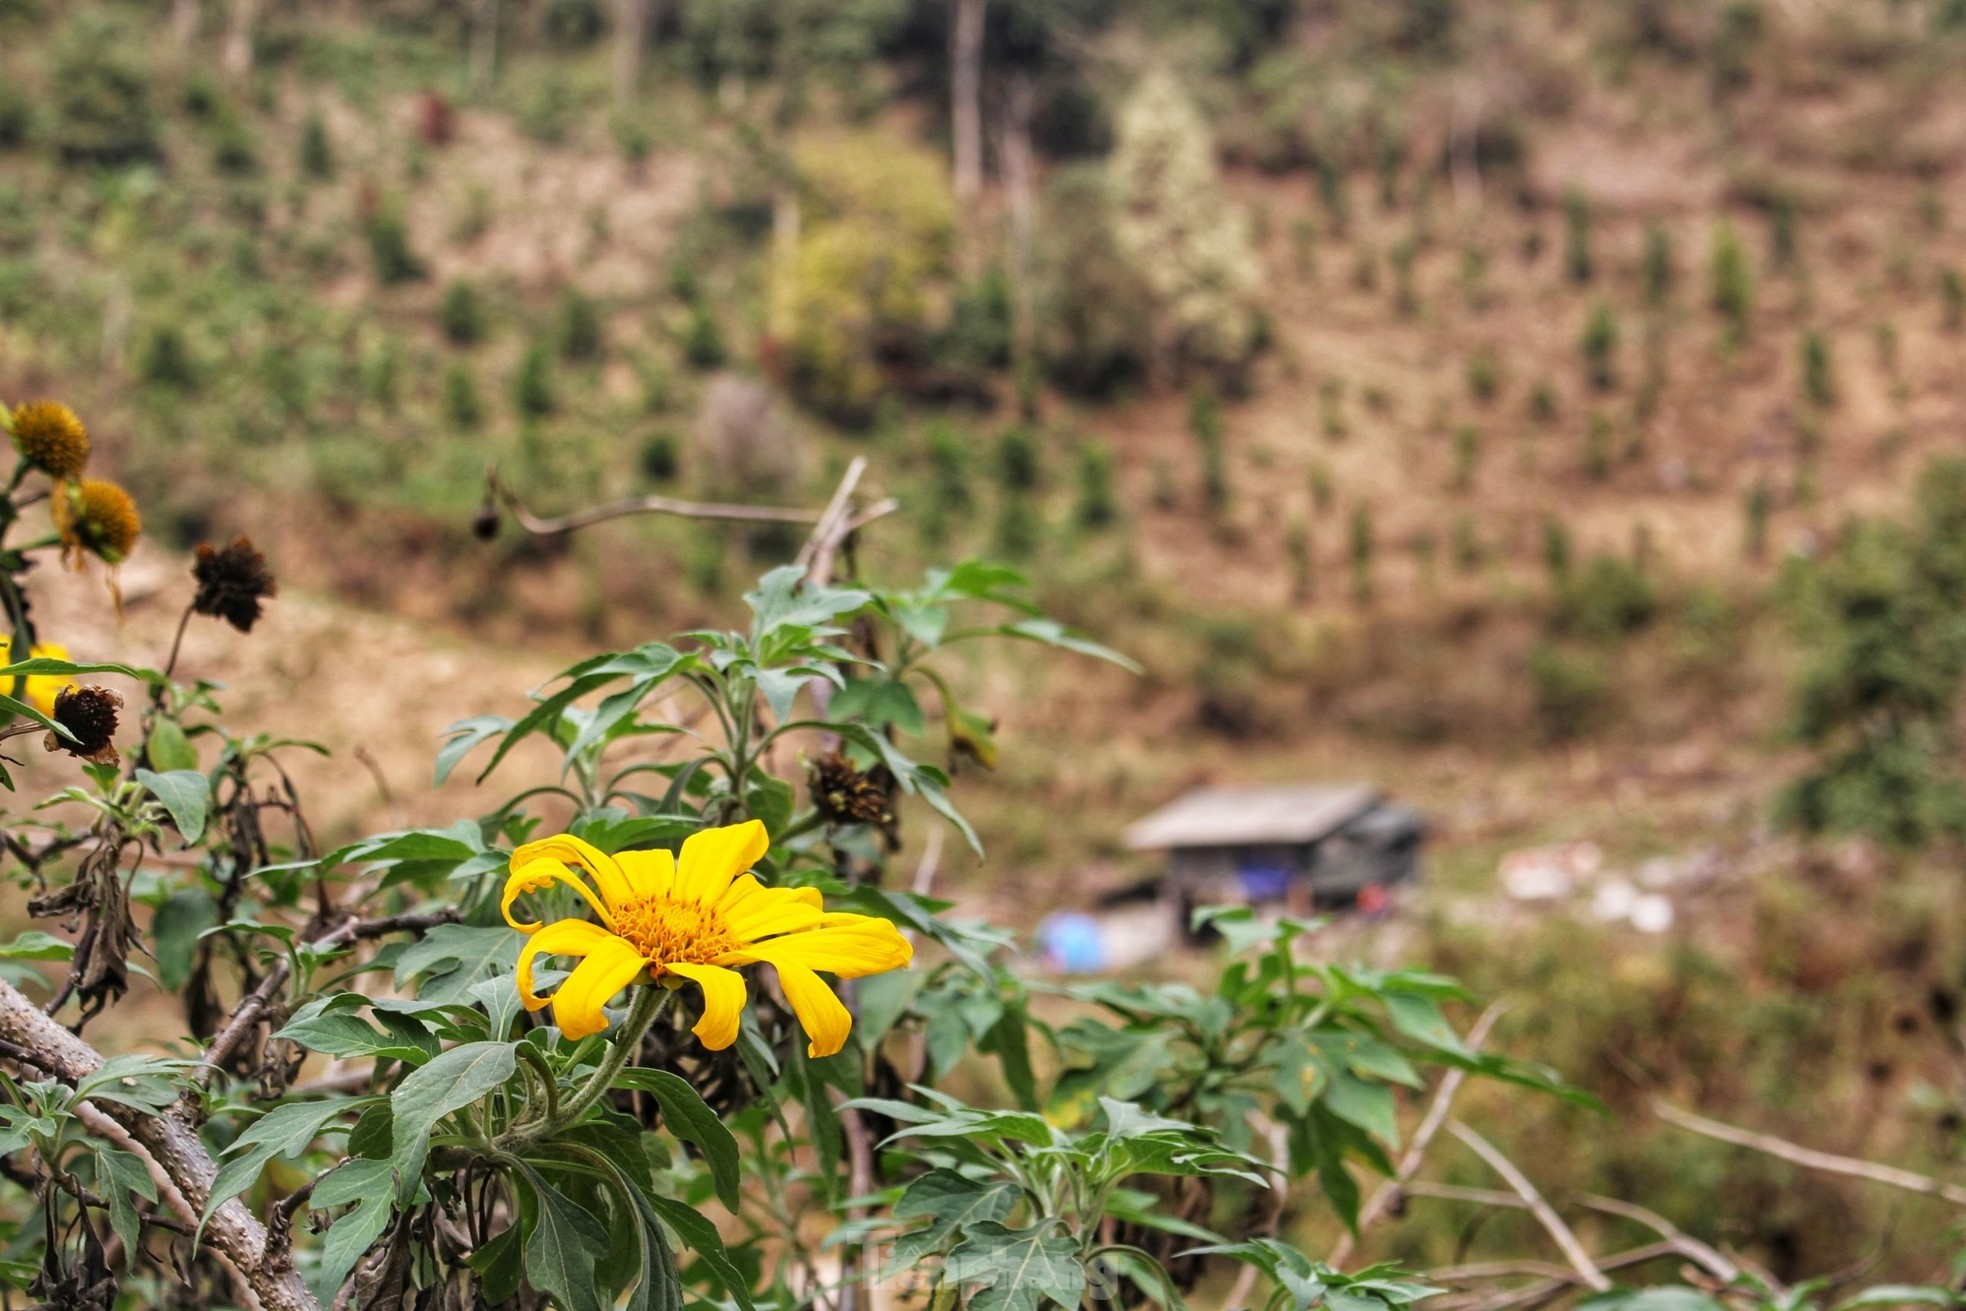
x: 611, y: 965
x: 712, y: 858
x: 532, y: 876
x: 826, y: 1021
x: 735, y: 899
x: 650, y: 873
x: 41, y: 688
x: 723, y: 1003
x: 560, y: 938
x: 773, y: 910
x: 571, y: 850
x: 851, y: 946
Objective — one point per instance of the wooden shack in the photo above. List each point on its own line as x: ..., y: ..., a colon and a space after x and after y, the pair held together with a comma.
x: 1305, y: 846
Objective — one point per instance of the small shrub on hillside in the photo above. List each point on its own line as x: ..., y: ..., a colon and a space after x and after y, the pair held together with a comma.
x: 978, y: 336
x: 99, y: 96
x: 1474, y: 278
x: 1323, y: 494
x: 1556, y: 551
x: 462, y: 314
x: 1331, y: 189
x: 1205, y: 423
x: 1097, y: 502
x: 1469, y: 553
x: 1018, y: 463
x: 1360, y: 551
x: 390, y: 255
x: 582, y: 332
x: 16, y: 115
x: 165, y: 359
x: 1818, y: 384
x: 1736, y: 32
x: 462, y: 404
x: 532, y: 385
x: 1733, y: 281
x: 1952, y: 298
x: 1574, y: 690
x: 1656, y: 273
x: 1756, y: 508
x: 1608, y: 598
x: 1884, y: 622
x: 1598, y: 452
x: 1297, y: 550
x: 1484, y: 375
x: 1467, y: 456
x: 1781, y: 233
x: 1599, y: 342
x: 1542, y: 403
x: 948, y: 470
x: 1577, y: 258
x: 316, y: 150
x: 1020, y: 528
x: 1406, y: 299
x: 548, y: 112
x: 703, y: 339
x: 660, y: 458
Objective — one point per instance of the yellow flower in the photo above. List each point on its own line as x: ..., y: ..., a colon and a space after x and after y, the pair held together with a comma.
x: 41, y: 688
x: 51, y: 438
x: 96, y: 515
x: 691, y: 919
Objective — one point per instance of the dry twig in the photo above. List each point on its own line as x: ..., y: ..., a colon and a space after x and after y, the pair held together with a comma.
x: 1810, y: 1158
x: 1545, y: 1214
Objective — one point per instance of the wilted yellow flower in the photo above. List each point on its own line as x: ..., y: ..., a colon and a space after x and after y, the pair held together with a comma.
x: 665, y: 920
x: 42, y: 689
x: 96, y: 516
x: 51, y: 438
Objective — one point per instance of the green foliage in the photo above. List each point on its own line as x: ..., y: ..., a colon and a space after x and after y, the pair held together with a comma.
x: 1205, y: 422
x: 1733, y: 281
x: 1884, y: 622
x: 1818, y: 384
x: 1656, y: 273
x: 1756, y: 507
x: 1577, y: 258
x: 317, y: 159
x: 1574, y: 690
x: 1608, y: 598
x: 1557, y: 551
x: 703, y: 340
x: 582, y: 333
x: 1096, y: 504
x: 1952, y: 298
x: 660, y: 461
x: 463, y: 406
x: 1597, y: 448
x: 462, y: 313
x: 390, y: 255
x: 165, y: 359
x: 1018, y: 456
x: 1467, y: 456
x: 1484, y: 375
x: 1599, y: 343
x: 99, y: 96
x: 533, y: 391
x: 1360, y: 550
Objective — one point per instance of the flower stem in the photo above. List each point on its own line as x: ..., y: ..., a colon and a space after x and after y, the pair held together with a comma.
x: 648, y: 1004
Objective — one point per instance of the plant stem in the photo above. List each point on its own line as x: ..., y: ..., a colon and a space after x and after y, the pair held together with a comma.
x: 649, y: 1001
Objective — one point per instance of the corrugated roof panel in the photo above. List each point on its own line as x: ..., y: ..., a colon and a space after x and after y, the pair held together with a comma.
x: 1230, y: 817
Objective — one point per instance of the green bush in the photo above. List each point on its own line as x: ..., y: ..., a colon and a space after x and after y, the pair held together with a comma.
x: 703, y: 339
x: 1097, y: 503
x: 1599, y: 343
x: 1018, y: 463
x: 582, y: 332
x: 462, y: 314
x: 1205, y: 422
x: 1574, y: 690
x: 660, y: 458
x: 1484, y: 375
x: 1556, y: 551
x: 390, y: 255
x: 1657, y: 270
x: 1361, y: 550
x: 1577, y: 259
x: 462, y: 405
x: 165, y: 359
x: 1818, y: 384
x: 16, y: 115
x: 1952, y: 298
x: 99, y: 96
x: 532, y: 386
x: 978, y: 336
x: 316, y: 150
x: 1467, y: 456
x: 1733, y: 281
x: 1608, y: 598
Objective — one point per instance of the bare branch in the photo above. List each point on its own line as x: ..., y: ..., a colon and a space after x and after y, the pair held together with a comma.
x: 1685, y: 1244
x: 566, y: 523
x: 1456, y: 1193
x: 170, y: 1143
x: 1544, y: 1213
x: 1382, y: 1197
x: 1555, y: 1286
x: 1808, y: 1157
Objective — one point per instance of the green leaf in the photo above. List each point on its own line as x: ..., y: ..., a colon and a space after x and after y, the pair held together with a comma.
x: 1011, y: 1268
x: 461, y: 738
x: 779, y: 602
x: 455, y: 956
x: 951, y: 1203
x: 688, y: 1117
x: 1419, y: 1018
x: 1891, y: 1295
x: 1052, y: 633
x: 366, y: 1184
x: 454, y: 1080
x: 185, y: 793
x: 283, y: 1131
x: 340, y: 1033
x: 879, y: 703
x: 41, y: 665
x: 703, y: 1239
x: 174, y: 932
x: 169, y: 749
x: 121, y: 1177
x: 36, y: 945
x: 564, y: 1243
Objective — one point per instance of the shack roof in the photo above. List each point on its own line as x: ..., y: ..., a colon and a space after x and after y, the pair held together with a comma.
x: 1249, y: 816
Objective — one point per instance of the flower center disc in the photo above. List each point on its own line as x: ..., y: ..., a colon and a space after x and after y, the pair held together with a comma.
x: 666, y: 930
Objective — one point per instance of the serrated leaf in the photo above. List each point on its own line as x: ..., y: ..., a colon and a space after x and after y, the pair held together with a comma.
x: 283, y: 1131
x: 1011, y: 1268
x: 174, y: 931
x: 564, y: 1242
x: 452, y: 957
x: 703, y: 1239
x: 366, y: 1184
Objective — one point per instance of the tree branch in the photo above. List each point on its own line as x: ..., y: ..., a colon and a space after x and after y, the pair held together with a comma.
x: 176, y: 1149
x: 1809, y: 1158
x: 1685, y: 1244
x: 1545, y: 1214
x: 566, y: 523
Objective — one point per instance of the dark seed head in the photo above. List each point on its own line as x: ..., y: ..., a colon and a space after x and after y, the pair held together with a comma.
x: 232, y: 583
x: 484, y: 526
x: 845, y: 795
x: 90, y: 713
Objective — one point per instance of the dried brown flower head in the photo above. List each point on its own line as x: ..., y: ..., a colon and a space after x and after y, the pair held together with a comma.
x: 96, y: 516
x: 845, y: 795
x: 232, y: 582
x: 51, y: 438
x: 89, y: 712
